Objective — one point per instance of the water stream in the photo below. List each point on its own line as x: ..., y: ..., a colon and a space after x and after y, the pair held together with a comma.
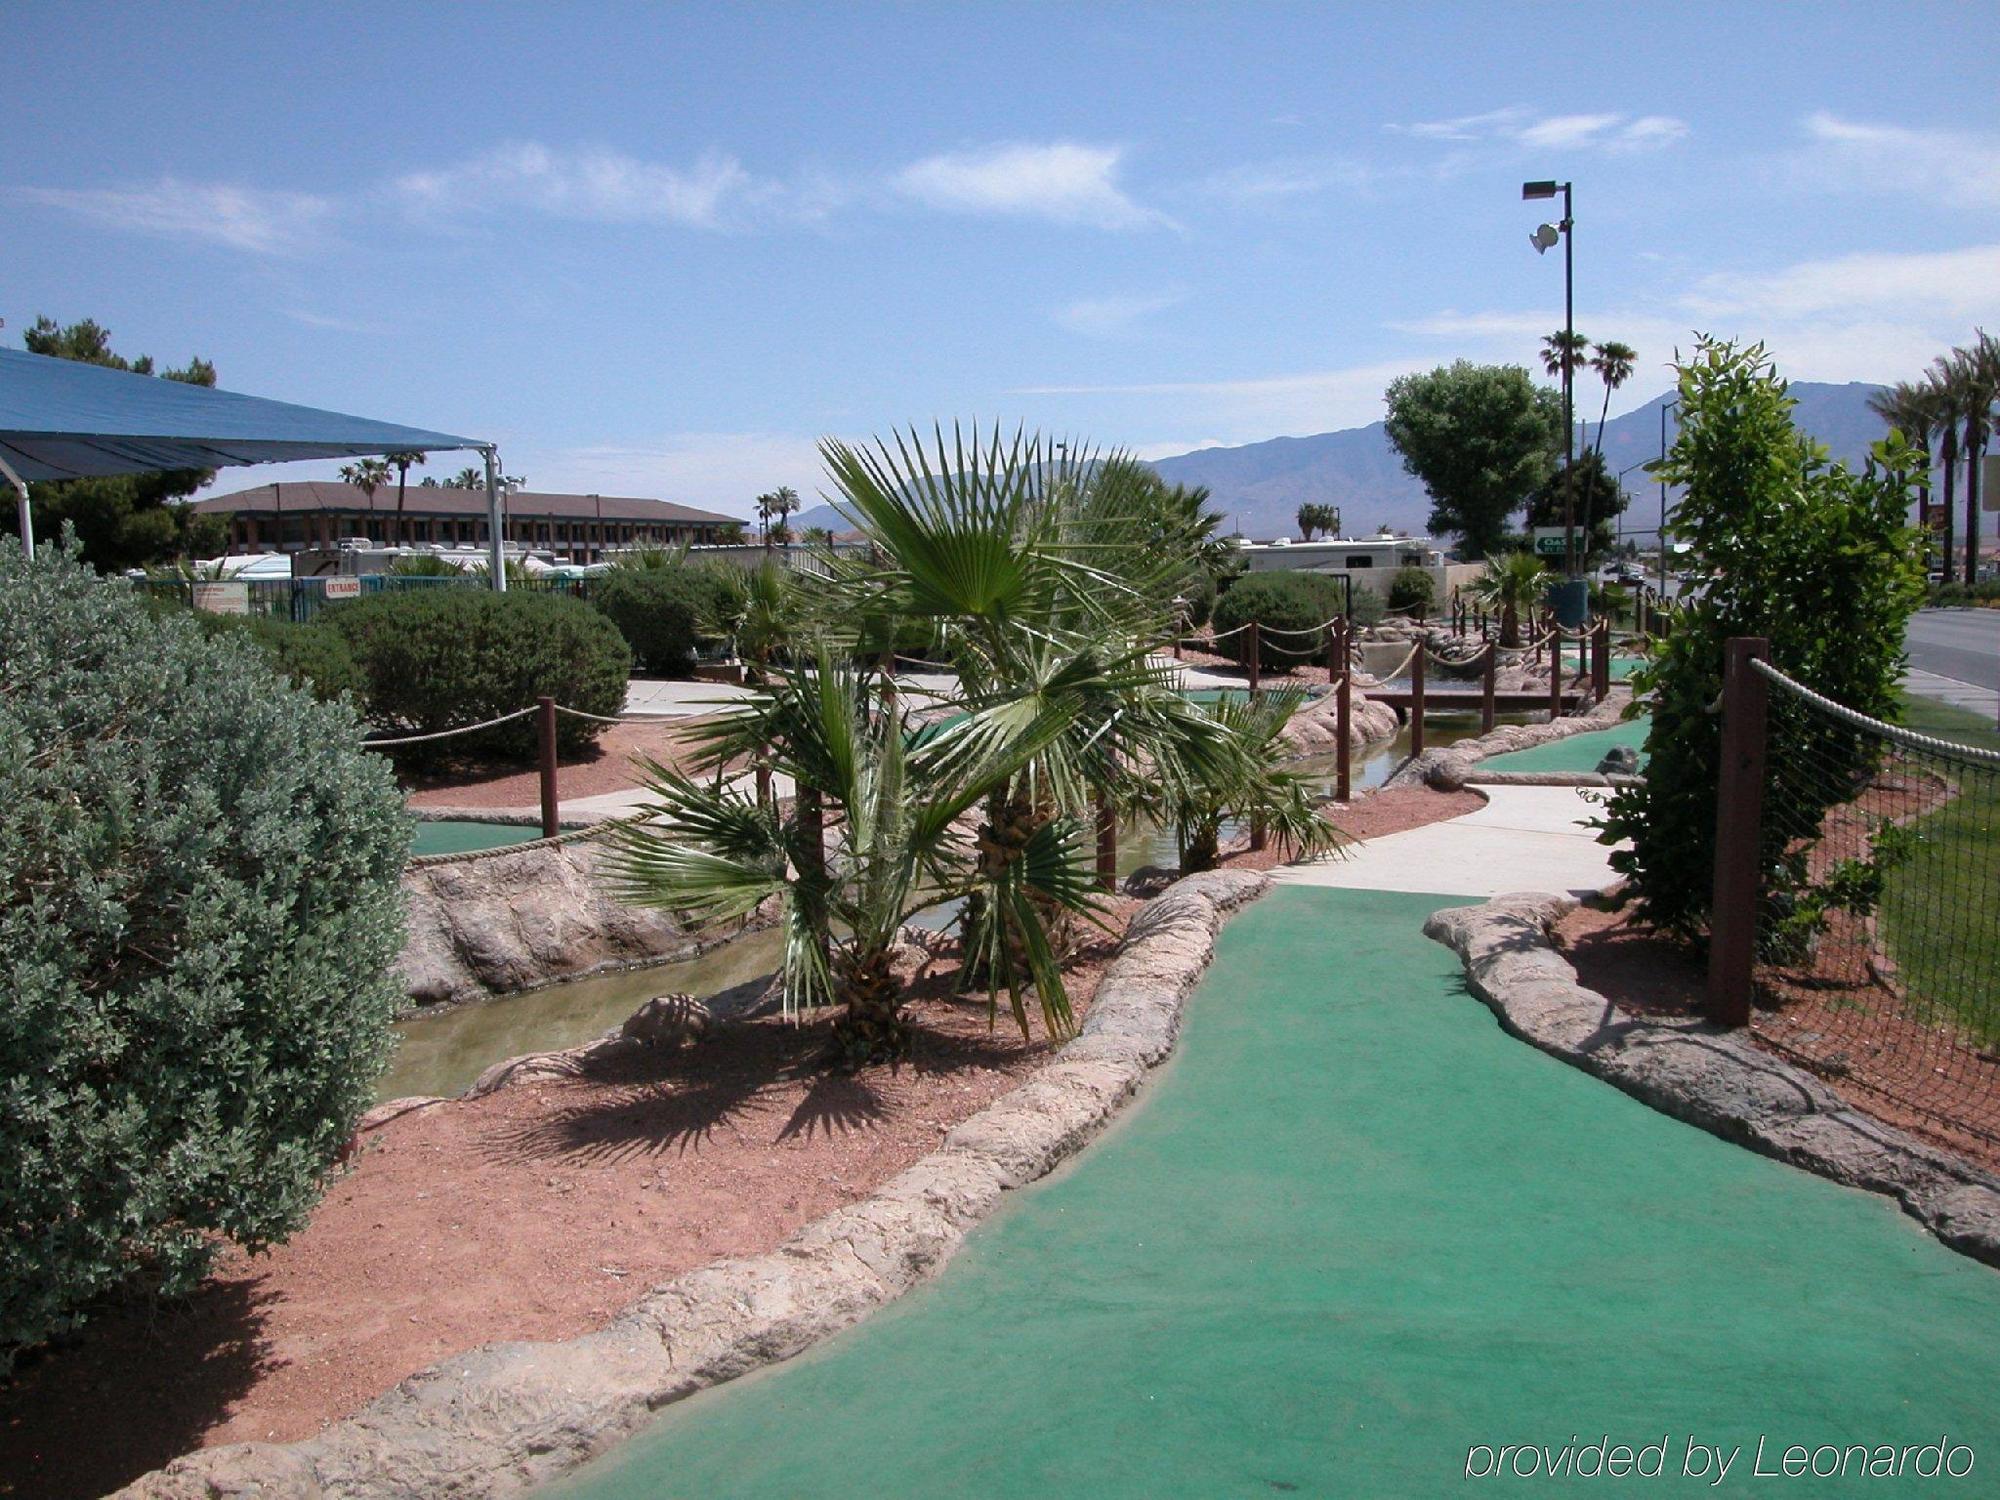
x: 444, y: 1053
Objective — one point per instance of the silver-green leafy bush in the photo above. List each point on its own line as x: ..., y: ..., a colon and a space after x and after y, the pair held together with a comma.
x: 200, y: 906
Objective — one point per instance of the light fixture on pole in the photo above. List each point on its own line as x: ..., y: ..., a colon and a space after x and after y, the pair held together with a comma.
x: 1544, y: 239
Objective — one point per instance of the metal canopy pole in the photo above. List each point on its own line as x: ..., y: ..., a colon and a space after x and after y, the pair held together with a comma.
x: 27, y: 515
x: 496, y: 543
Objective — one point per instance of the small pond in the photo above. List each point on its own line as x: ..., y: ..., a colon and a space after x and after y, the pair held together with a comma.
x: 444, y: 1053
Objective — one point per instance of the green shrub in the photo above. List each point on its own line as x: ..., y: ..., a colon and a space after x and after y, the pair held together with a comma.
x: 1814, y: 557
x: 200, y: 908
x: 309, y: 656
x: 660, y: 613
x: 1412, y: 590
x: 1368, y: 608
x: 435, y: 659
x: 1280, y: 602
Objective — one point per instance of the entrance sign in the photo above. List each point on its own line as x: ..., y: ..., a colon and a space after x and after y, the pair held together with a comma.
x: 342, y: 588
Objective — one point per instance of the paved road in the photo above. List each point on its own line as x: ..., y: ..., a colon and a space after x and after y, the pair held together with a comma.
x: 1961, y: 643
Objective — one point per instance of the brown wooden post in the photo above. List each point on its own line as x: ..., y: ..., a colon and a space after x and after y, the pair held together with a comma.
x: 1251, y: 634
x: 1583, y: 655
x: 1600, y: 661
x: 1555, y: 678
x: 1343, y: 722
x: 547, y: 717
x: 1417, y: 700
x: 1739, y: 809
x: 1488, y: 671
x: 1107, y: 843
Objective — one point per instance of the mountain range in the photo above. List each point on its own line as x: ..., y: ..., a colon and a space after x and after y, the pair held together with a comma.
x: 1259, y: 487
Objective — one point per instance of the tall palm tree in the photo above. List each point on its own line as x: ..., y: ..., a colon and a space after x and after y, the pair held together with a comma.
x: 1981, y: 385
x: 1564, y: 353
x: 1513, y: 584
x: 1948, y: 401
x: 1614, y: 363
x: 367, y: 475
x: 402, y: 462
x: 1911, y: 409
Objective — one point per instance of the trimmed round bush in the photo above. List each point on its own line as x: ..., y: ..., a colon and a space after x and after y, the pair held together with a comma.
x: 1411, y: 590
x: 660, y: 612
x: 1279, y: 603
x: 200, y: 909
x: 435, y: 659
x: 308, y: 656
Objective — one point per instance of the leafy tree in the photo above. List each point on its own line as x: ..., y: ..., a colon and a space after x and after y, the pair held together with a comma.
x: 1287, y: 606
x: 122, y: 520
x: 1586, y: 491
x: 1480, y: 438
x: 1785, y: 545
x: 199, y: 917
x: 1314, y: 516
x: 402, y: 462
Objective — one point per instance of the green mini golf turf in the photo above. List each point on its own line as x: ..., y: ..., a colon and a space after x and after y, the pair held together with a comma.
x: 1580, y: 752
x: 1354, y: 1231
x: 453, y: 836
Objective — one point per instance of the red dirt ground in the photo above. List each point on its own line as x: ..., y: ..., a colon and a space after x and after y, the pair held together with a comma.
x: 606, y: 767
x: 535, y: 1213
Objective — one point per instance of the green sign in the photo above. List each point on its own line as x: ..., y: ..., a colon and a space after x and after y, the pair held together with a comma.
x: 1548, y: 541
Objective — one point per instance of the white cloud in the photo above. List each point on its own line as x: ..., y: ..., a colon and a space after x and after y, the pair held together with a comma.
x: 1957, y: 283
x: 1108, y: 317
x: 1531, y: 131
x: 722, y: 471
x: 1953, y: 166
x: 713, y: 192
x: 1063, y: 181
x: 247, y: 219
x: 1291, y: 177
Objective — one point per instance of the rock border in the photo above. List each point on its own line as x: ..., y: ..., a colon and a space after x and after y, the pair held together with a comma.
x: 1707, y: 1076
x: 505, y: 1417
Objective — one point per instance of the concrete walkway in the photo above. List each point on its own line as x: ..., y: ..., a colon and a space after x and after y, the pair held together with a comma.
x: 1969, y: 696
x: 1526, y: 838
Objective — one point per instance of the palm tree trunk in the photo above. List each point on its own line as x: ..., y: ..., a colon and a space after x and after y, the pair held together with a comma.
x: 1972, y: 455
x: 1510, y: 626
x: 873, y: 1030
x: 1950, y: 562
x: 402, y: 481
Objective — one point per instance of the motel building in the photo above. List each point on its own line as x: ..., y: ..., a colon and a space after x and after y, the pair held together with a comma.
x: 318, y: 518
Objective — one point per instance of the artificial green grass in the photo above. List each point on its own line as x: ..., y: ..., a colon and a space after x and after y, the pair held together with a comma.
x: 1578, y: 753
x: 1940, y: 907
x: 452, y: 836
x: 1354, y: 1231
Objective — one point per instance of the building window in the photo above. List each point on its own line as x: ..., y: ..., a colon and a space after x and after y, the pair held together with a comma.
x: 1360, y: 560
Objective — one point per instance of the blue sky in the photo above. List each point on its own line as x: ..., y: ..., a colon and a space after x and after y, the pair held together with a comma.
x: 661, y: 250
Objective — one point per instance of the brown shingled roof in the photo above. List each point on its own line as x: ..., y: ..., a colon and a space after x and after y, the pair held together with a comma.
x: 437, y: 500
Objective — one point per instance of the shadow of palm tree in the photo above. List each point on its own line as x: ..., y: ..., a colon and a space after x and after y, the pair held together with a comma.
x: 834, y: 1103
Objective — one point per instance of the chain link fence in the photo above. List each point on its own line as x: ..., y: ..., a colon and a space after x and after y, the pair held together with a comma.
x: 1878, y: 914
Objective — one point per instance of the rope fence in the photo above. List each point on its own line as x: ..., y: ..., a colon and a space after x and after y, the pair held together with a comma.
x: 1873, y: 927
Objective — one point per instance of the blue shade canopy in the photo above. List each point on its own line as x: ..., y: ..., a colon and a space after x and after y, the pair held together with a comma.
x: 62, y: 419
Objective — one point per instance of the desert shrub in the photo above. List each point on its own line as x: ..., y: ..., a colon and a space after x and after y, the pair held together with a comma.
x: 1280, y: 602
x: 200, y: 909
x: 1368, y: 608
x: 1411, y: 590
x: 435, y: 659
x: 308, y: 656
x: 660, y: 613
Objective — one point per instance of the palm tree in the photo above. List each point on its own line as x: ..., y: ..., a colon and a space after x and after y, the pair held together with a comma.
x: 1259, y: 790
x: 1948, y: 401
x: 467, y: 479
x: 757, y: 610
x: 772, y: 508
x: 714, y: 853
x: 1911, y: 409
x: 1316, y: 517
x: 367, y: 475
x: 1614, y: 363
x: 402, y: 461
x: 1981, y: 385
x: 1511, y: 584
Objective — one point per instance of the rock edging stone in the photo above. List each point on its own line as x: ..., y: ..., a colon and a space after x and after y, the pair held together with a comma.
x: 506, y: 1417
x: 1707, y: 1076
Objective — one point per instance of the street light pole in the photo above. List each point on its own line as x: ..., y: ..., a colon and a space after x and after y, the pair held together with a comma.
x: 1567, y: 229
